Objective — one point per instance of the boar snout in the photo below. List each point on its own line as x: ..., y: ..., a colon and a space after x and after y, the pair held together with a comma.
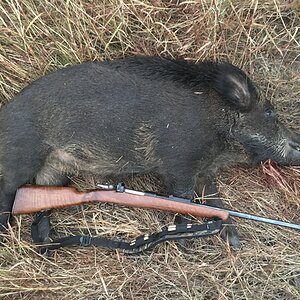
x: 283, y: 148
x: 292, y: 153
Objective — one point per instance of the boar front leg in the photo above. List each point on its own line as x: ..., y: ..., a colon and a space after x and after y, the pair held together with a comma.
x: 208, y: 189
x: 179, y: 184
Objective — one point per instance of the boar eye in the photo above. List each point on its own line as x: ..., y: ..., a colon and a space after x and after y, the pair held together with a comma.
x: 269, y: 113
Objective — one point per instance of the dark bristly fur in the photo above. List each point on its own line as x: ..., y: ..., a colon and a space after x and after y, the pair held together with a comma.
x: 138, y: 115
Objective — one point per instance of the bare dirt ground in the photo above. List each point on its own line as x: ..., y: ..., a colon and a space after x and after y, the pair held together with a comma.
x: 263, y: 38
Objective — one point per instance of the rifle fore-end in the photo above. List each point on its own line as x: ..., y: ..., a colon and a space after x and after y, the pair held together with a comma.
x: 31, y: 199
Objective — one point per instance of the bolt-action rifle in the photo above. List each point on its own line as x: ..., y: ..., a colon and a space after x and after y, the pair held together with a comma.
x: 31, y: 199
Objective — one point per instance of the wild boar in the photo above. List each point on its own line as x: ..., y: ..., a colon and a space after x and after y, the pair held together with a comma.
x: 180, y: 120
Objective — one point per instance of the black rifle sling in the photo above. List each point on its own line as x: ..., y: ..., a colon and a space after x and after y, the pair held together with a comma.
x: 140, y: 244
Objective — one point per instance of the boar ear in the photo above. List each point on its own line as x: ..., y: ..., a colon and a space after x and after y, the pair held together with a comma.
x: 235, y: 87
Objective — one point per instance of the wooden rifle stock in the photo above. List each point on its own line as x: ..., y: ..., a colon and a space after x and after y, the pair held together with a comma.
x: 30, y: 199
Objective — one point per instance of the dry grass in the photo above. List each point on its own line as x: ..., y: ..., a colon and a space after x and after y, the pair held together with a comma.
x: 263, y: 38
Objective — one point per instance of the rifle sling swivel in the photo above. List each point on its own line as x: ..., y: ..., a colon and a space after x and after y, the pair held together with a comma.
x: 140, y: 244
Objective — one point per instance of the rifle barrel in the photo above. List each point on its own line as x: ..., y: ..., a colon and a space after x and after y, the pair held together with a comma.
x: 258, y: 218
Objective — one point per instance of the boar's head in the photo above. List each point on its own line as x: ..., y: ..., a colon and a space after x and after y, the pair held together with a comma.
x: 255, y: 124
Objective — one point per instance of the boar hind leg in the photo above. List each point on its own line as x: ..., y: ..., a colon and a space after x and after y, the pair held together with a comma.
x: 50, y: 176
x: 46, y: 176
x: 229, y: 232
x: 14, y: 175
x: 6, y: 203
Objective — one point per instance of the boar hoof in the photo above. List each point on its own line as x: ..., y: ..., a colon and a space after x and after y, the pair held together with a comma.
x: 4, y: 219
x: 40, y: 230
x: 229, y: 233
x: 41, y: 227
x: 180, y: 219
